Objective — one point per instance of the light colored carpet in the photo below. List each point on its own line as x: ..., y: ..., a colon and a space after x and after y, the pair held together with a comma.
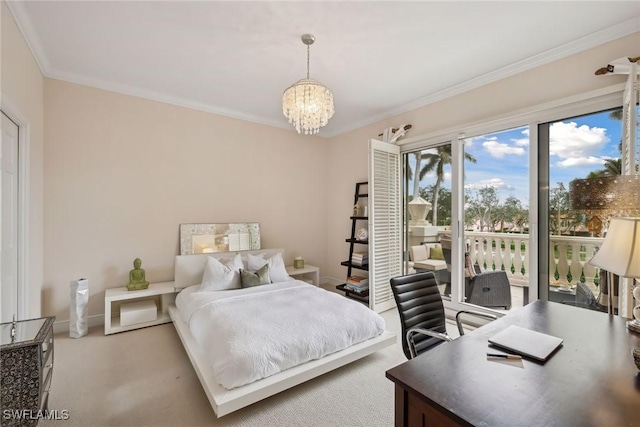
x: 144, y: 378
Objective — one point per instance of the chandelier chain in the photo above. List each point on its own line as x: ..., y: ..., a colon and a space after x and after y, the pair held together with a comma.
x: 308, y: 47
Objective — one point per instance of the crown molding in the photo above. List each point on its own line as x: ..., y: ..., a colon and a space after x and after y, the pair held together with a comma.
x: 24, y: 23
x: 161, y: 97
x: 576, y: 46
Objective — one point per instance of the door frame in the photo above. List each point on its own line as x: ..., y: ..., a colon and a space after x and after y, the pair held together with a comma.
x: 24, y: 138
x: 584, y: 103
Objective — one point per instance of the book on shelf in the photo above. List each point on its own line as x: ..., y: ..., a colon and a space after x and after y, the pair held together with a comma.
x: 357, y: 289
x: 357, y: 280
x: 359, y: 258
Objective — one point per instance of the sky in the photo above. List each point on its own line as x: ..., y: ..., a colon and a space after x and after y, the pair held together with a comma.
x: 577, y: 146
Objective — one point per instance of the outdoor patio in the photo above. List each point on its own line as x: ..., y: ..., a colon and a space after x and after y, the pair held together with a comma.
x: 509, y: 252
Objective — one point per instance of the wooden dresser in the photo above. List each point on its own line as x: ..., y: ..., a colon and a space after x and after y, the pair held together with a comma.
x: 27, y: 368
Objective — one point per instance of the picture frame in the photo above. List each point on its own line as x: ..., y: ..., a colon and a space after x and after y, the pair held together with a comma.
x: 219, y: 237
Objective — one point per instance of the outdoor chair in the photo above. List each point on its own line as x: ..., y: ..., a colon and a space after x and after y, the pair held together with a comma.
x: 422, y: 313
x: 585, y: 299
x: 486, y: 288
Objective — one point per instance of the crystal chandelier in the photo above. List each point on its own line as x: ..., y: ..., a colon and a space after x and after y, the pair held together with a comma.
x: 307, y: 104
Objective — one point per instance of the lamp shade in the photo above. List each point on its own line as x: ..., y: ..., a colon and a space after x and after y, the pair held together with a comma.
x: 620, y: 251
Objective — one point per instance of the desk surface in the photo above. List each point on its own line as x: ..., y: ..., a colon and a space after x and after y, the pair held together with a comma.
x: 590, y: 381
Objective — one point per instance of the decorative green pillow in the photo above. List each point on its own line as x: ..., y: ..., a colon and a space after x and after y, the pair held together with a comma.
x: 260, y: 277
x: 436, y: 253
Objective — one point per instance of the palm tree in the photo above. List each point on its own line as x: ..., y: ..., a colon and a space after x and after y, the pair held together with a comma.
x: 595, y: 174
x: 613, y: 167
x: 416, y: 177
x: 436, y: 161
x: 616, y: 114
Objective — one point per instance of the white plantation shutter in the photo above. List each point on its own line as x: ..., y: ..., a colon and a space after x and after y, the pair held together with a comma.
x: 385, y: 225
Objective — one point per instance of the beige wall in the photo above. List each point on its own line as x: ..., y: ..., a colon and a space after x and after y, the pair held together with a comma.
x: 123, y: 172
x: 22, y: 97
x: 348, y: 152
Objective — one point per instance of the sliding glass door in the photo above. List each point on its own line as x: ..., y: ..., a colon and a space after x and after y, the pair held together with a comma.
x: 583, y: 174
x: 428, y: 216
x: 496, y: 219
x: 526, y: 202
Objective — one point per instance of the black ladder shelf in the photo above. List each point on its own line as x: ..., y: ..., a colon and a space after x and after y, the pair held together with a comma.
x: 353, y: 241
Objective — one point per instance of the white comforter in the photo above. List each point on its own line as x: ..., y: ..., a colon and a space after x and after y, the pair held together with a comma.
x: 252, y: 333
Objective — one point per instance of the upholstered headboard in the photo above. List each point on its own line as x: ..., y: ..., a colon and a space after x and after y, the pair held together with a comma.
x: 189, y: 268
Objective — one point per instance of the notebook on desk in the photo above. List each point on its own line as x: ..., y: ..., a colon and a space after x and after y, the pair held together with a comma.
x: 526, y: 342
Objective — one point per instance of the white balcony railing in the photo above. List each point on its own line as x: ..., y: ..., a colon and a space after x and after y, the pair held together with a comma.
x: 509, y: 252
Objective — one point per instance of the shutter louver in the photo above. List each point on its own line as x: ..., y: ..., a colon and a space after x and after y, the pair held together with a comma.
x: 385, y: 227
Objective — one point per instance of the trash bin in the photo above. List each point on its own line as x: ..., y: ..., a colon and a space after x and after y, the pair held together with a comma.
x: 78, y: 309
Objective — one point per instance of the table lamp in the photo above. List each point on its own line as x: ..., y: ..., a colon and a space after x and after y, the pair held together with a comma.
x: 620, y: 254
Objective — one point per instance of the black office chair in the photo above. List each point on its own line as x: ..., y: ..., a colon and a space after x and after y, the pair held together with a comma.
x: 422, y: 313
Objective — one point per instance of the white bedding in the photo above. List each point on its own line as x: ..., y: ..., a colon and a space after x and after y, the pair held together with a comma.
x: 252, y: 333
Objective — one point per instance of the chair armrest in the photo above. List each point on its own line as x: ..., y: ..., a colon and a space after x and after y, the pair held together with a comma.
x: 473, y: 313
x: 491, y: 279
x: 432, y: 334
x: 490, y: 276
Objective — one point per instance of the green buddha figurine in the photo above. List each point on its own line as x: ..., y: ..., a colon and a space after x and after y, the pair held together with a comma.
x: 136, y: 277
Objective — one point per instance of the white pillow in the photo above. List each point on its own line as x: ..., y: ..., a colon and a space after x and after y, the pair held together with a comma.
x: 220, y: 275
x: 277, y: 270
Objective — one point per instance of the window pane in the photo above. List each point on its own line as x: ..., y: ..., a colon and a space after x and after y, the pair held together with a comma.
x: 428, y: 204
x: 584, y: 167
x: 496, y: 213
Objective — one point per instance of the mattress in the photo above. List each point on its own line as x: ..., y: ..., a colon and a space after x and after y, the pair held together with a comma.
x: 253, y: 333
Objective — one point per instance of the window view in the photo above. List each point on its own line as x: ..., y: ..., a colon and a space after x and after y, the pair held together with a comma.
x: 496, y: 214
x: 585, y: 190
x: 428, y: 203
x: 585, y: 167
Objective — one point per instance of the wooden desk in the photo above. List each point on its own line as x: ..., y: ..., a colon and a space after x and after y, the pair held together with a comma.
x: 590, y: 381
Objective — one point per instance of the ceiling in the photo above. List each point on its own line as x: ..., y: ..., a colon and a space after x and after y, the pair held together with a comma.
x: 379, y: 58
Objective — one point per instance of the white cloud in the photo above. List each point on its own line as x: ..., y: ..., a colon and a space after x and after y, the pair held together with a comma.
x: 580, y: 161
x: 496, y: 183
x: 522, y: 142
x: 500, y: 149
x: 432, y: 176
x: 576, y: 143
x: 470, y: 142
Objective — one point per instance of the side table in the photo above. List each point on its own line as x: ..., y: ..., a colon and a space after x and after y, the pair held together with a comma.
x: 301, y: 273
x: 165, y: 292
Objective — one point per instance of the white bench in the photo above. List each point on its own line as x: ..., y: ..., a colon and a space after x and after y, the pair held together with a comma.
x: 420, y: 257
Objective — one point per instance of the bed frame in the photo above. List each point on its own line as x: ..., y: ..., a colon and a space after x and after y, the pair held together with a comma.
x: 188, y: 272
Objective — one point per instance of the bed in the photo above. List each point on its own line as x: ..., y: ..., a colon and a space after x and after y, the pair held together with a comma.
x: 293, y: 311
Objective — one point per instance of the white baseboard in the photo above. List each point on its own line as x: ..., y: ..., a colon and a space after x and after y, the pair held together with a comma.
x: 63, y: 325
x: 330, y: 281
